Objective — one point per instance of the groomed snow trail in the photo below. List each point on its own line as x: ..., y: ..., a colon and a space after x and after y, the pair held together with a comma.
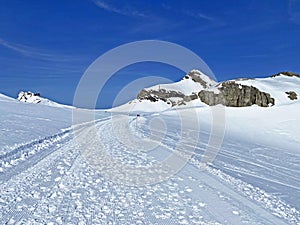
x: 50, y: 182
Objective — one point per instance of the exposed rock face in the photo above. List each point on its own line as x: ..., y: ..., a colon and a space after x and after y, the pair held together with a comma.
x: 292, y: 95
x: 161, y: 94
x: 236, y: 95
x: 166, y: 96
x: 190, y: 97
x: 287, y: 73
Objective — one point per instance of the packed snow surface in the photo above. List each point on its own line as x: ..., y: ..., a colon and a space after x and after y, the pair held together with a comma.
x: 44, y: 178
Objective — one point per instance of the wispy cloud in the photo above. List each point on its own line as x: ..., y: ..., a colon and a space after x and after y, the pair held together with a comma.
x: 31, y: 52
x: 122, y: 11
x: 255, y: 56
x: 24, y: 50
x: 190, y: 13
x: 200, y: 16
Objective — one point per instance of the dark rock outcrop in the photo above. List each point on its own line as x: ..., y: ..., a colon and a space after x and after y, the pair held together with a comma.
x: 236, y: 95
x: 166, y: 95
x: 292, y: 95
x: 191, y: 97
x: 162, y: 94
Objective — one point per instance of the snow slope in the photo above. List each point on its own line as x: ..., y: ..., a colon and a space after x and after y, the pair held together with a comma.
x: 47, y: 179
x: 137, y: 106
x: 22, y: 122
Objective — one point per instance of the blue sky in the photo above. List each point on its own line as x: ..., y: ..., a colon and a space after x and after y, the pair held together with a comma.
x: 45, y: 46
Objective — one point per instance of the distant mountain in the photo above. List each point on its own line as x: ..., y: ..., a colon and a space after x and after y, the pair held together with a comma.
x: 30, y: 97
x: 198, y: 89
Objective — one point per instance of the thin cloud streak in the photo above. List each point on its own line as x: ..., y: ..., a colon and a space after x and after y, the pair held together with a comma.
x: 24, y: 50
x: 122, y: 11
x: 256, y: 56
x: 35, y: 53
x: 200, y: 16
x: 190, y: 13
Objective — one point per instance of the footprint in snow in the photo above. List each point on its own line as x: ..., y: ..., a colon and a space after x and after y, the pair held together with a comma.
x: 235, y: 213
x: 188, y: 189
x: 57, y: 179
x: 201, y: 204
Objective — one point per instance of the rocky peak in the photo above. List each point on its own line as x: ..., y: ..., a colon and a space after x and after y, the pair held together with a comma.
x: 180, y: 92
x: 27, y: 96
x: 199, y: 77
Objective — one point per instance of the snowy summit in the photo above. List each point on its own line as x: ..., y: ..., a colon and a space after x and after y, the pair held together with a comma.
x: 30, y: 97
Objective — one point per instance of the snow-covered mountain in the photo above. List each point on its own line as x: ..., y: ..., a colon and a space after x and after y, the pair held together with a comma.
x: 30, y: 97
x: 197, y: 89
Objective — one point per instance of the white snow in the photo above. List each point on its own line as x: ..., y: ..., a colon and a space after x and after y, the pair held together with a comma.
x: 23, y: 123
x: 141, y: 106
x: 254, y: 179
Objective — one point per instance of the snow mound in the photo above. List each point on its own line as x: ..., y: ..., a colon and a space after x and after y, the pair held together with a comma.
x: 137, y: 106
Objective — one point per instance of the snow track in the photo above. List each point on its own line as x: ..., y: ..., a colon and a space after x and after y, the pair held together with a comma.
x: 48, y: 181
x: 24, y: 156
